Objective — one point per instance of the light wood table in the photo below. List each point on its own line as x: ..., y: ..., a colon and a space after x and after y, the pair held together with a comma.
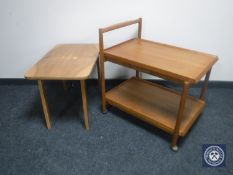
x: 172, y: 111
x: 65, y: 62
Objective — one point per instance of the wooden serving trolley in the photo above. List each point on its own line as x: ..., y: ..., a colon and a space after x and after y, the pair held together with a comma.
x: 172, y: 111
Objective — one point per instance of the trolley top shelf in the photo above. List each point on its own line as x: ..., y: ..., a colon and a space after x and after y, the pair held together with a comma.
x: 166, y: 60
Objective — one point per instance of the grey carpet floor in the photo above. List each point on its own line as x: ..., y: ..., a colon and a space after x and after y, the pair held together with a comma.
x: 116, y: 143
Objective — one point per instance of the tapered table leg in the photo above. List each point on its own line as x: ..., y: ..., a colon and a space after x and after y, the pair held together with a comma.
x: 98, y: 71
x: 179, y: 116
x: 137, y: 74
x: 84, y: 99
x: 204, y: 88
x: 66, y: 85
x: 44, y: 103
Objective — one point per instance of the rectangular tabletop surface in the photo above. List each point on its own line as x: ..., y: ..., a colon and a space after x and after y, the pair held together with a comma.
x: 66, y: 62
x: 166, y: 60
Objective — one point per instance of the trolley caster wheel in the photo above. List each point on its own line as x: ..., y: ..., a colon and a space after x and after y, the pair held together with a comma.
x: 105, y: 112
x: 175, y: 148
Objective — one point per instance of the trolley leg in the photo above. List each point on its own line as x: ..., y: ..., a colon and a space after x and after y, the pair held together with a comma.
x: 102, y: 83
x: 179, y: 116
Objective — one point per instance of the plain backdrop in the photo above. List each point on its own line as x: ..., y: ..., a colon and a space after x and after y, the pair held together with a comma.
x: 30, y: 28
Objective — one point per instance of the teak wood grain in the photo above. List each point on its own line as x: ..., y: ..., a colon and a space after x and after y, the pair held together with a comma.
x: 162, y: 59
x: 124, y: 24
x: 162, y: 107
x: 66, y: 62
x: 155, y: 104
x: 102, y: 58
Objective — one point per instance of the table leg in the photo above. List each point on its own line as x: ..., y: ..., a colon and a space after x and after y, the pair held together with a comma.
x: 204, y: 88
x: 66, y: 85
x: 179, y: 116
x: 137, y: 74
x: 44, y: 103
x: 98, y: 71
x: 84, y: 99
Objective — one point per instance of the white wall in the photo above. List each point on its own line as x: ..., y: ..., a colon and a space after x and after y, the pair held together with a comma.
x: 29, y: 28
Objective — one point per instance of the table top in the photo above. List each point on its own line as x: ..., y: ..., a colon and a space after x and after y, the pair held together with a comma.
x: 179, y: 63
x: 66, y: 62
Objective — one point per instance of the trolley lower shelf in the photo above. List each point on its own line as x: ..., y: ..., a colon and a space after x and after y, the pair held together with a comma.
x: 154, y: 104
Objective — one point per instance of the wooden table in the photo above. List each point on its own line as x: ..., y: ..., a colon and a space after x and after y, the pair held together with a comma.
x: 172, y: 111
x: 65, y: 62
